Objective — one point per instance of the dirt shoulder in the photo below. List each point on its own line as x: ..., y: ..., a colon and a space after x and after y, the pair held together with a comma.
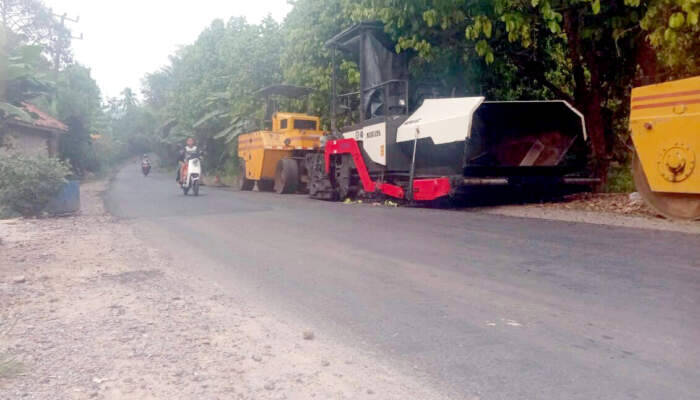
x: 620, y: 210
x: 87, y: 311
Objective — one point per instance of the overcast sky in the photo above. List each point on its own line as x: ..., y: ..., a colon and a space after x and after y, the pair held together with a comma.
x: 125, y: 39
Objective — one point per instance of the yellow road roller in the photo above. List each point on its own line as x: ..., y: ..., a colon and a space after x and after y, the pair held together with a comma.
x: 665, y: 126
x: 274, y: 158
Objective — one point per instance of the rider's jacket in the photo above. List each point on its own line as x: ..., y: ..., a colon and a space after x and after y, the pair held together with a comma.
x: 189, y: 151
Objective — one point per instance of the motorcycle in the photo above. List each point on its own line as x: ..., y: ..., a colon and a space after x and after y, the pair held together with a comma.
x: 145, y: 168
x: 190, y: 173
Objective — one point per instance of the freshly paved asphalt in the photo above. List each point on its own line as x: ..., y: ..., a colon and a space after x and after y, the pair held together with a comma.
x: 483, y: 306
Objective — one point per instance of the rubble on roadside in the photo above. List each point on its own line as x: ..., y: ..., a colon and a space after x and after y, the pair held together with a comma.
x: 618, y: 203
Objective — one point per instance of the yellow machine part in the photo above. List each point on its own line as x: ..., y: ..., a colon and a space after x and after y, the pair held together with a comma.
x: 665, y: 125
x: 262, y: 150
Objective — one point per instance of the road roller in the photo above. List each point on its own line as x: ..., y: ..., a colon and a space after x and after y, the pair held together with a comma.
x: 665, y: 126
x: 273, y: 157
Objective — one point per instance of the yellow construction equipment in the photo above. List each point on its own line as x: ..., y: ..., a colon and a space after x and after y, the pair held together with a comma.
x: 274, y: 159
x: 665, y: 125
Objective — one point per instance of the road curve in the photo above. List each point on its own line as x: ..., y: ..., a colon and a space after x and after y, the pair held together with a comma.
x: 484, y: 306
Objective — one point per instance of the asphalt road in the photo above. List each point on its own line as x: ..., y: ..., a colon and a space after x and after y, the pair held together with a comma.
x: 482, y: 305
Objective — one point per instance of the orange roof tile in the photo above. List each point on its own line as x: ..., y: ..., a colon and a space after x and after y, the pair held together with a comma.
x: 44, y: 120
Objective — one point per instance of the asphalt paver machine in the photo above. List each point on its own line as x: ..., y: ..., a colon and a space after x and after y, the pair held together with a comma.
x: 440, y: 147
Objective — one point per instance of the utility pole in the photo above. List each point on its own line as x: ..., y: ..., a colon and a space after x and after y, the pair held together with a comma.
x: 58, y: 48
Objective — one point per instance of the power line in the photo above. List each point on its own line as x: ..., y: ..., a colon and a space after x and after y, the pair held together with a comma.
x: 58, y: 49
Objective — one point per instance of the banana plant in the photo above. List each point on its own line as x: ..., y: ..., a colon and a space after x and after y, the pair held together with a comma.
x: 222, y: 115
x: 21, y: 81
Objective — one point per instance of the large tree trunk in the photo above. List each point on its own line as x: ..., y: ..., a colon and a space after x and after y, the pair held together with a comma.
x: 647, y: 60
x: 595, y: 124
x: 3, y: 59
x: 587, y: 96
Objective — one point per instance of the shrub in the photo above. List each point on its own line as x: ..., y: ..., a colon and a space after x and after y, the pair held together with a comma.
x: 28, y: 183
x: 619, y: 179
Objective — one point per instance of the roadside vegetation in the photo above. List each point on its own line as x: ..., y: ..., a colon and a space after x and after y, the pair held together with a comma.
x: 36, y: 66
x: 8, y: 365
x: 589, y: 52
x: 27, y: 184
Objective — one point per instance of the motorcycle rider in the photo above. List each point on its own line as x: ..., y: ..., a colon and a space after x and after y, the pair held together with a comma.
x: 188, y: 151
x: 145, y: 165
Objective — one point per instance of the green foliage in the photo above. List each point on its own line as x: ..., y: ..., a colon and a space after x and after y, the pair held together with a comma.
x: 27, y: 183
x: 305, y: 59
x: 207, y: 90
x: 37, y: 68
x: 619, y: 179
x: 131, y: 124
x: 21, y: 81
x: 583, y: 51
x: 8, y: 110
x: 674, y: 32
x: 77, y: 102
x: 589, y: 52
x: 9, y: 367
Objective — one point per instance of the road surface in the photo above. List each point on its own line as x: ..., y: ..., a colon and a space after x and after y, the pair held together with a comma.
x: 483, y: 306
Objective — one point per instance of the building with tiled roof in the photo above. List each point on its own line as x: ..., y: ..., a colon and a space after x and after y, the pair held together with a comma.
x: 38, y: 137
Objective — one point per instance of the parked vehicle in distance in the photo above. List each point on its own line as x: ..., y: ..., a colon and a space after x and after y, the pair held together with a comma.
x: 273, y: 157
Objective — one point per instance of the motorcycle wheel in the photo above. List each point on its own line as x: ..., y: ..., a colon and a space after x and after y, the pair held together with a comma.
x: 195, y: 188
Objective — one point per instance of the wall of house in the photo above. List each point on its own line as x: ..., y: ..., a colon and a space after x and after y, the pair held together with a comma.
x: 16, y: 139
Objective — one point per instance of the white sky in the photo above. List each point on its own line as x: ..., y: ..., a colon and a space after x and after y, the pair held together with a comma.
x: 125, y: 39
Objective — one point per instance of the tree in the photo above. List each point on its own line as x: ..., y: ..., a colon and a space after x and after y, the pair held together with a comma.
x: 588, y: 52
x: 131, y: 124
x: 30, y: 22
x: 157, y: 87
x: 3, y: 61
x: 78, y: 103
x: 22, y: 80
x: 583, y: 51
x: 128, y: 100
x: 206, y: 91
x: 305, y: 60
x: 37, y: 66
x: 674, y: 33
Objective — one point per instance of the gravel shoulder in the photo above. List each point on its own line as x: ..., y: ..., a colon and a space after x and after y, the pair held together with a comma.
x: 600, y: 209
x: 87, y: 311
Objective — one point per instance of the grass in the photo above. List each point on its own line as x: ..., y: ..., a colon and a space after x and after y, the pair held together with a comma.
x: 9, y: 367
x: 619, y: 179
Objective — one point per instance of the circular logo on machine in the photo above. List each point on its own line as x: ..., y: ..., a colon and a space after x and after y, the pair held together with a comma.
x: 676, y: 163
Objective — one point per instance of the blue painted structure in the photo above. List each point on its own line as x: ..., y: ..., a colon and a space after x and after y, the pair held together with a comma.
x: 67, y: 201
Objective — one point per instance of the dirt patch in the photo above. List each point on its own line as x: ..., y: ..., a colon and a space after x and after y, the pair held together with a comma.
x: 616, y: 203
x: 622, y: 210
x: 133, y: 276
x: 89, y: 312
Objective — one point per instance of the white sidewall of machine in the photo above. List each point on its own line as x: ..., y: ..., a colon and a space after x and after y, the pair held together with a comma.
x: 373, y: 138
x: 442, y: 120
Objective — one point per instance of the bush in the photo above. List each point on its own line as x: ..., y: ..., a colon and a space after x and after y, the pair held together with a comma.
x: 619, y: 179
x: 27, y: 183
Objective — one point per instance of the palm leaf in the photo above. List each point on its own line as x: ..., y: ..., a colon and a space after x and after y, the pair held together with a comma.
x: 210, y: 116
x: 224, y: 133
